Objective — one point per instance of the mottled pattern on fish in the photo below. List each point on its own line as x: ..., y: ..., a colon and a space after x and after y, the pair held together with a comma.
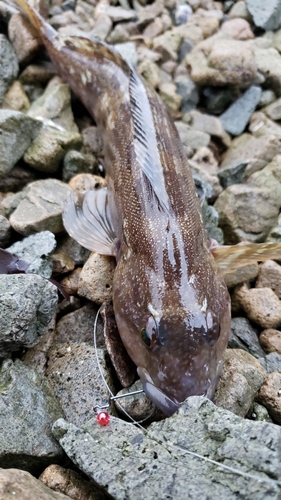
x: 170, y: 302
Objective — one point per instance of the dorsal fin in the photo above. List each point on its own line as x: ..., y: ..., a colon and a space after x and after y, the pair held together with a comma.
x: 145, y: 142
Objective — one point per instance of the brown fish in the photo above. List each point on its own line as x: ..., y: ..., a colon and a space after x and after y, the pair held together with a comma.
x: 171, y: 304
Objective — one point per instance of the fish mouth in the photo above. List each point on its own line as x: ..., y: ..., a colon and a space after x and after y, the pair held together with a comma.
x: 158, y: 397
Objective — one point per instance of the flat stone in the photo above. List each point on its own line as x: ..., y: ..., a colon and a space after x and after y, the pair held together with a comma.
x: 62, y: 263
x: 28, y: 410
x: 16, y: 134
x: 9, y: 66
x: 5, y: 231
x: 157, y: 463
x: 24, y: 37
x: 270, y: 277
x: 168, y: 45
x: 66, y: 328
x: 92, y: 140
x: 269, y: 395
x: 47, y: 196
x: 261, y: 305
x: 96, y: 278
x: 267, y: 18
x: 36, y: 249
x: 241, y: 378
x: 74, y: 375
x: 270, y: 340
x: 23, y: 485
x: 236, y: 117
x: 244, y: 336
x: 68, y: 481
x: 28, y: 304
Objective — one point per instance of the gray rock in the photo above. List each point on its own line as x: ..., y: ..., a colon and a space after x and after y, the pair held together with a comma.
x: 271, y: 362
x: 36, y: 249
x: 23, y: 485
x: 182, y: 13
x: 267, y: 97
x: 275, y: 233
x: 259, y: 413
x: 211, y: 221
x: 273, y: 110
x: 5, y: 231
x: 9, y: 66
x: 27, y: 306
x: 157, y: 463
x: 76, y: 162
x: 266, y: 16
x: 233, y: 173
x: 236, y: 117
x: 244, y: 336
x: 16, y: 133
x: 16, y: 179
x: 41, y: 207
x: 28, y: 409
x: 184, y: 49
x: 241, y: 275
x: 66, y: 329
x: 187, y: 89
x: 74, y: 375
x: 76, y: 252
x: 128, y: 51
x: 218, y: 99
x: 191, y: 138
x: 269, y: 65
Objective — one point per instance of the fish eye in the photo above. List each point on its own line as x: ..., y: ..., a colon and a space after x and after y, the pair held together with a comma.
x: 149, y: 333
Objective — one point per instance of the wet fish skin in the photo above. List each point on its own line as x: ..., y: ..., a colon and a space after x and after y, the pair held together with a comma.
x: 167, y: 290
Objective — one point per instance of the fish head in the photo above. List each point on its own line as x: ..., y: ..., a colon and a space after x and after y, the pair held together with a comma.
x: 177, y: 348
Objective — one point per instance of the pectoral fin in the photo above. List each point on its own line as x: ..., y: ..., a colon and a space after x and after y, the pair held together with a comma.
x: 229, y: 258
x: 87, y: 219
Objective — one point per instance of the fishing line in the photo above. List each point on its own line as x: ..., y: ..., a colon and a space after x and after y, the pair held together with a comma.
x: 168, y: 444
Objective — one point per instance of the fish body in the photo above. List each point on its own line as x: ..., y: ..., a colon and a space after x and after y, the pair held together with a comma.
x: 170, y: 301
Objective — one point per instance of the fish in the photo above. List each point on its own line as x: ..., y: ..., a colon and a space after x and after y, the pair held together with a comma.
x: 171, y: 304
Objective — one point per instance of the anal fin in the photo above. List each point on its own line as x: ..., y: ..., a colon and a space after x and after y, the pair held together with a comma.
x: 87, y: 219
x: 229, y: 258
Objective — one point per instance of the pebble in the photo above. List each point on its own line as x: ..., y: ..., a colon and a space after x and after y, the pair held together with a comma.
x: 67, y: 331
x: 28, y: 304
x: 218, y: 99
x: 16, y: 98
x: 74, y: 376
x: 70, y: 282
x: 233, y: 173
x: 273, y: 110
x: 62, y: 263
x: 69, y: 483
x: 268, y: 61
x: 238, y: 28
x: 269, y: 395
x: 239, y: 9
x: 24, y: 38
x: 210, y: 125
x: 9, y: 66
x: 73, y: 249
x: 15, y: 483
x: 244, y: 336
x: 259, y: 413
x: 271, y: 362
x: 139, y: 406
x: 16, y: 134
x: 234, y: 120
x: 241, y: 378
x: 267, y: 18
x: 26, y: 441
x: 261, y: 305
x: 47, y: 196
x: 128, y: 51
x: 142, y: 465
x: 36, y: 249
x: 192, y: 138
x: 96, y: 278
x: 76, y: 162
x: 5, y: 231
x: 170, y: 97
x: 270, y: 277
x: 270, y: 340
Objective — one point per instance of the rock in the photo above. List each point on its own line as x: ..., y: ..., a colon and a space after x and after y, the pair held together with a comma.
x: 9, y: 66
x: 210, y: 125
x: 150, y: 72
x: 154, y: 29
x: 70, y: 282
x: 261, y: 305
x: 218, y: 99
x: 16, y: 98
x: 24, y: 37
x: 102, y: 28
x: 116, y: 14
x: 36, y: 249
x: 267, y: 18
x: 74, y: 376
x: 238, y: 28
x: 28, y: 303
x: 16, y: 483
x: 75, y: 162
x: 16, y: 179
x: 246, y: 213
x: 187, y: 89
x: 168, y: 45
x: 270, y: 277
x: 270, y: 340
x: 222, y: 61
x: 269, y: 178
x: 119, y: 34
x: 96, y: 278
x: 47, y: 196
x: 275, y: 233
x: 232, y: 173
x: 158, y: 462
x: 241, y: 275
x: 260, y: 125
x: 241, y: 378
x: 138, y: 406
x: 37, y: 357
x: 10, y: 203
x: 62, y: 263
x: 267, y: 97
x: 74, y: 250
x: 236, y: 117
x: 244, y: 336
x: 49, y: 147
x: 5, y: 231
x: 55, y: 104
x: 211, y: 220
x: 36, y: 74
x: 172, y: 100
x: 239, y: 9
x: 67, y: 331
x: 273, y: 110
x: 70, y: 483
x: 271, y: 362
x: 269, y: 395
x: 92, y: 140
x: 191, y: 138
x: 28, y: 409
x: 16, y: 133
x: 259, y: 413
x: 128, y: 51
x: 269, y: 65
x: 182, y: 13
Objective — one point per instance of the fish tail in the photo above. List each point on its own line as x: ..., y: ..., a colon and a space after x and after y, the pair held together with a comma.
x: 229, y: 258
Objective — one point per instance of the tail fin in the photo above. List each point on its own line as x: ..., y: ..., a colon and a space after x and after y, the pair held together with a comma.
x: 229, y: 258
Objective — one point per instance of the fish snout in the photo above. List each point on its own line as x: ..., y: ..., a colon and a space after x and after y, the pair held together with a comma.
x: 158, y: 397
